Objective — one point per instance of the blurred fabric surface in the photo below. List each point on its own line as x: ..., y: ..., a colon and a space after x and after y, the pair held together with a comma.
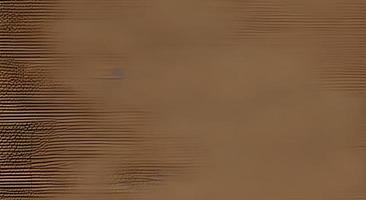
x: 182, y: 99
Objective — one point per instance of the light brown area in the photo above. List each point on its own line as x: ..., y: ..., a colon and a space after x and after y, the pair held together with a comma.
x: 237, y: 99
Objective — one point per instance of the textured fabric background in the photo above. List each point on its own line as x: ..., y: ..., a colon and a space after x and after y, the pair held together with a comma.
x: 182, y: 99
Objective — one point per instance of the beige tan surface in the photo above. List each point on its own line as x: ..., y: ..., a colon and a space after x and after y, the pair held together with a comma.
x: 173, y: 99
